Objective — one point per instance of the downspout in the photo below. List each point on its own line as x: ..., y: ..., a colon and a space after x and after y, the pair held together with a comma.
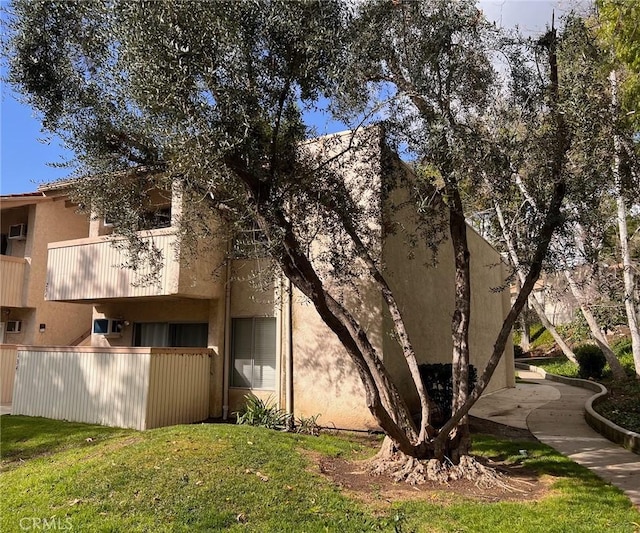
x: 227, y: 341
x: 289, y: 356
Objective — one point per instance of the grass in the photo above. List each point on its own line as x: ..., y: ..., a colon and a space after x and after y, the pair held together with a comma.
x: 241, y: 478
x: 540, y: 337
x: 560, y: 366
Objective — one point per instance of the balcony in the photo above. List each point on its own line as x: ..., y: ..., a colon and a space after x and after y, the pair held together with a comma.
x: 92, y: 269
x: 13, y: 271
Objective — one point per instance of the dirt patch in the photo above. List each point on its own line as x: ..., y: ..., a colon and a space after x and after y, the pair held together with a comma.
x: 353, y: 477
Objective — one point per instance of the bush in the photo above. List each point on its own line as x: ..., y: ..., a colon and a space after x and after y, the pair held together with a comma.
x: 438, y: 381
x: 308, y: 425
x: 622, y: 346
x: 517, y: 351
x: 257, y: 412
x: 591, y: 361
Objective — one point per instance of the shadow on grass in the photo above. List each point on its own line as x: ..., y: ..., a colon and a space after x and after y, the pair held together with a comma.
x: 26, y: 437
x: 534, y: 456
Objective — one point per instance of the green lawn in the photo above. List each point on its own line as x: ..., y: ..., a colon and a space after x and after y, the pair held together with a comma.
x: 225, y: 477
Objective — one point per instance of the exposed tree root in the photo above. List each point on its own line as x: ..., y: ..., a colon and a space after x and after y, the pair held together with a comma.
x: 416, y: 472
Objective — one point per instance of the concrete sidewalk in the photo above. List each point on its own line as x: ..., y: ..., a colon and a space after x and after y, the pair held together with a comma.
x: 554, y: 413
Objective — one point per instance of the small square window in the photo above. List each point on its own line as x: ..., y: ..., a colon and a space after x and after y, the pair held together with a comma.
x: 101, y: 326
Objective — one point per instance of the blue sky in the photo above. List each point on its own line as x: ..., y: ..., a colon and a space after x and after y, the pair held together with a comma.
x: 24, y: 157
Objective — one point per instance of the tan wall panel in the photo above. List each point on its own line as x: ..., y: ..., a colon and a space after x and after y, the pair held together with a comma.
x: 487, y: 310
x: 90, y: 269
x: 252, y: 291
x: 8, y: 357
x: 83, y: 386
x: 178, y: 388
x: 12, y: 277
x: 425, y: 293
x: 326, y: 382
x: 202, y: 270
x: 49, y: 222
x: 156, y: 310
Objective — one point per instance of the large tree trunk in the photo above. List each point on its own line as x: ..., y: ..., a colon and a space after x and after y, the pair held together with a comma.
x: 458, y: 442
x: 382, y: 397
x: 426, y: 430
x: 630, y: 303
x: 552, y: 220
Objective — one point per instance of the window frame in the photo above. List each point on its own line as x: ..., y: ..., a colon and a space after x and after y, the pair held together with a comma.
x: 232, y: 354
x: 170, y: 333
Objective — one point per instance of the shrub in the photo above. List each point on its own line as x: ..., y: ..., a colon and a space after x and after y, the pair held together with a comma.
x: 308, y: 425
x: 438, y: 381
x: 622, y: 346
x: 517, y: 351
x: 591, y: 361
x: 258, y: 412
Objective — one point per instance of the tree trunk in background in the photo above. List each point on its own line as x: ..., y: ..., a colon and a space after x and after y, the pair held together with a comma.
x: 539, y: 309
x: 630, y: 303
x: 525, y: 338
x: 459, y: 441
x: 533, y: 299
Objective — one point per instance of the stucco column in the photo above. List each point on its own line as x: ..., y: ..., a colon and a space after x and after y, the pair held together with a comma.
x: 216, y: 343
x: 176, y: 202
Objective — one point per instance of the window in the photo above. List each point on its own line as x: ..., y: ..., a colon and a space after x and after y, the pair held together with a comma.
x: 159, y: 218
x: 189, y: 335
x: 147, y: 220
x: 108, y: 326
x: 14, y: 326
x: 250, y: 243
x: 253, y: 353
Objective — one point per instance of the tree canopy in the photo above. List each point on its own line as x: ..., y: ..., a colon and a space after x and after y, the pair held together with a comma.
x: 212, y: 96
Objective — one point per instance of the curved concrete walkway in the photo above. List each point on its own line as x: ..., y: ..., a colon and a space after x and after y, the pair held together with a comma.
x: 554, y: 413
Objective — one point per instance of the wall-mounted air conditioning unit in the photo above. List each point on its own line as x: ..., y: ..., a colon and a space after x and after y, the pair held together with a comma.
x: 18, y: 232
x: 109, y: 327
x: 13, y: 326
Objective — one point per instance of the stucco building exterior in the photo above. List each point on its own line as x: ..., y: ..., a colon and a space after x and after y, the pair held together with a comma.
x: 193, y: 344
x: 28, y: 223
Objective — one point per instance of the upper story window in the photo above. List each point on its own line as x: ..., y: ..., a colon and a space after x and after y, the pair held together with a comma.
x: 155, y: 219
x: 250, y: 242
x: 147, y: 220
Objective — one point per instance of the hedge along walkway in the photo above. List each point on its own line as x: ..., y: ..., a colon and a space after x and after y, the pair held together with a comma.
x: 554, y: 413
